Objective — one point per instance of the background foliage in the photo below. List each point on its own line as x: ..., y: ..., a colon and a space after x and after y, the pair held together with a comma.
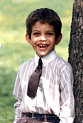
x: 13, y: 47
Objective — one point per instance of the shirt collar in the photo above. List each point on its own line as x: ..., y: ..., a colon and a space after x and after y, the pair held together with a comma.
x: 46, y: 59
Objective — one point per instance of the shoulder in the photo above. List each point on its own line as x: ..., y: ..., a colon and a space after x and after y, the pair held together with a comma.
x: 62, y: 64
x: 26, y: 64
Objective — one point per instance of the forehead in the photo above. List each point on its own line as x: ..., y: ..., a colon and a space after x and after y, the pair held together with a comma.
x: 40, y: 26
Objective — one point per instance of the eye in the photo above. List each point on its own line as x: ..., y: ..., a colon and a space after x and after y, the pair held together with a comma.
x: 50, y: 33
x: 36, y: 33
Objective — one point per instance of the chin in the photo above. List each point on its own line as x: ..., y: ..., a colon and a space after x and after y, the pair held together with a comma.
x: 42, y: 55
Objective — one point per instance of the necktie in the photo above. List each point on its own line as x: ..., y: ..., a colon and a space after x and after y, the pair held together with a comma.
x: 34, y: 80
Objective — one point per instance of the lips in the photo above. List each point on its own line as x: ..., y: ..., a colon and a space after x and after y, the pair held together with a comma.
x: 43, y: 45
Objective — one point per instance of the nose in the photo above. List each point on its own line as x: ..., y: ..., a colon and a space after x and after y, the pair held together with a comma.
x: 43, y: 38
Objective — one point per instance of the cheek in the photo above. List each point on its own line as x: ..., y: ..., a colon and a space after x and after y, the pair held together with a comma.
x: 35, y: 38
x: 53, y: 41
x: 52, y: 38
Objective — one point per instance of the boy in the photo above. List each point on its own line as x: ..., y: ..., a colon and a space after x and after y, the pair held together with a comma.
x: 54, y: 94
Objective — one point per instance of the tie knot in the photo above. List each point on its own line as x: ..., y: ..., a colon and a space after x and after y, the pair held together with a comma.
x: 40, y: 63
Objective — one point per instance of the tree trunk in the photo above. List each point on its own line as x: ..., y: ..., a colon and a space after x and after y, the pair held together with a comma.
x: 76, y: 57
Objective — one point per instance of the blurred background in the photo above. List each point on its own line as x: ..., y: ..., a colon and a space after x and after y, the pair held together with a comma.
x: 14, y: 49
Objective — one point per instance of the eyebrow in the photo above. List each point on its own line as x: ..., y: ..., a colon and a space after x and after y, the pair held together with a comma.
x: 40, y: 30
x: 50, y: 30
x: 34, y: 30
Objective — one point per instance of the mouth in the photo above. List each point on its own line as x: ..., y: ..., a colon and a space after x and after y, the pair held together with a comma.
x: 43, y: 46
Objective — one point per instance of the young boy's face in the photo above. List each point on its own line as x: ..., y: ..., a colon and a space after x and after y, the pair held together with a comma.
x: 42, y: 38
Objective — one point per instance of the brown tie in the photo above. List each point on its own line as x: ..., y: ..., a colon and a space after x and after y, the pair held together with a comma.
x: 34, y: 80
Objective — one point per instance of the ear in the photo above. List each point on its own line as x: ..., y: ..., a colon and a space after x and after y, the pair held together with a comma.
x: 28, y: 38
x: 58, y: 39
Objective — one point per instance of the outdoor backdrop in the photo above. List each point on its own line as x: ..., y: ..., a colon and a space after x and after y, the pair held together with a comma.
x: 14, y: 49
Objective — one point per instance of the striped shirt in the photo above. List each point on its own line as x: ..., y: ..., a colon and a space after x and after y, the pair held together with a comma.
x: 55, y: 90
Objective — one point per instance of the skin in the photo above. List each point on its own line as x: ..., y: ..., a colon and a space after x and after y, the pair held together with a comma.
x: 43, y: 38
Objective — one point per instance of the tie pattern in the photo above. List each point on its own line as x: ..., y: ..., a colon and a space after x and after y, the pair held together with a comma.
x: 34, y: 80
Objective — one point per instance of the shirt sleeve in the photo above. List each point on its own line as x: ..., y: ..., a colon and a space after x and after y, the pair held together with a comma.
x: 18, y: 95
x: 66, y: 99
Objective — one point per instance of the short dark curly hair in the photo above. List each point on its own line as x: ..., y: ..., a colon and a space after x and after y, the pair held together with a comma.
x: 44, y: 15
